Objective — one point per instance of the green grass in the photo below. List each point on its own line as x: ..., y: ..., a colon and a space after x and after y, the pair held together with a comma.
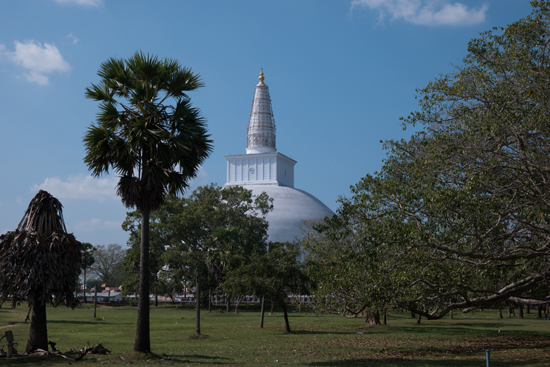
x: 232, y: 340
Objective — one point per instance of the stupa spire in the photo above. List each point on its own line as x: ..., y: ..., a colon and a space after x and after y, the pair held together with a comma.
x: 260, y: 134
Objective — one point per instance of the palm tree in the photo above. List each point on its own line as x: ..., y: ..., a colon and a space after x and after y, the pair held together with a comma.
x: 155, y: 148
x: 39, y: 262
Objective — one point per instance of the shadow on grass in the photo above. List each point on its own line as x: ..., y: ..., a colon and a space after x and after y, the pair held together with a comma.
x: 466, y: 329
x: 197, y: 358
x: 91, y: 322
x: 387, y: 362
x: 318, y: 332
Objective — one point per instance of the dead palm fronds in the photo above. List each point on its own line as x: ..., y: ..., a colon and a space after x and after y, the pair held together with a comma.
x: 40, y: 260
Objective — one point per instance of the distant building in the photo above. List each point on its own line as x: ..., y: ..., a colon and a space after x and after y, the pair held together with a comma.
x: 263, y: 169
x: 104, y: 297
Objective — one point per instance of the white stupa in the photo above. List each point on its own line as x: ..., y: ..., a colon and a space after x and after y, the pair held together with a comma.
x: 263, y: 169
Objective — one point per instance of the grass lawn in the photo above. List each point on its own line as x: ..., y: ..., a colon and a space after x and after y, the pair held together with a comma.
x: 236, y: 339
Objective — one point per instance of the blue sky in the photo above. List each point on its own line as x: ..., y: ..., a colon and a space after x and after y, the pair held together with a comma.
x: 340, y: 72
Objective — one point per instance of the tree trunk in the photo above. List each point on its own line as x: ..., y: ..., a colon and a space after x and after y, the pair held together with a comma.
x: 237, y: 303
x: 539, y: 312
x: 418, y: 319
x: 227, y: 305
x: 520, y: 312
x: 385, y: 317
x: 27, y: 318
x: 285, y: 314
x: 500, y: 312
x: 38, y: 333
x: 262, y: 313
x: 210, y: 299
x: 528, y: 309
x: 156, y: 300
x: 95, y: 301
x: 84, y: 285
x: 142, y: 341
x: 412, y: 315
x: 198, y: 307
x: 271, y: 307
x: 372, y: 318
x: 451, y: 314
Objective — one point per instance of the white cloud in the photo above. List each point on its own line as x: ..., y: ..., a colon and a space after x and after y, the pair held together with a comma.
x: 80, y: 187
x: 95, y: 224
x: 81, y: 2
x: 426, y: 12
x: 85, y: 187
x: 37, y: 59
x: 73, y: 39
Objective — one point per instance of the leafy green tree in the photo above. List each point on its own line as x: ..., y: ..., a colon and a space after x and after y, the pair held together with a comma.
x: 339, y: 266
x: 194, y: 251
x: 150, y: 135
x: 230, y: 248
x: 274, y: 274
x: 86, y: 260
x: 458, y: 216
x: 39, y: 262
x: 158, y: 242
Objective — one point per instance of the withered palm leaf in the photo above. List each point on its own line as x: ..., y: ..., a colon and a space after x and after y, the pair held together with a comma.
x: 40, y: 261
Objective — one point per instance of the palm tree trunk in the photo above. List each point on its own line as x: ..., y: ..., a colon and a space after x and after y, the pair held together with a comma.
x: 38, y: 333
x: 142, y: 342
x: 198, y: 308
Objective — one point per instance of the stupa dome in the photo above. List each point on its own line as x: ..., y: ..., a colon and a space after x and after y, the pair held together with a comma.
x: 291, y: 207
x: 263, y: 169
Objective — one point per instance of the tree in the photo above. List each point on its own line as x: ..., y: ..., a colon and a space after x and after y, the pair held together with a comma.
x: 108, y: 264
x: 193, y: 252
x: 274, y: 274
x: 155, y: 147
x: 347, y: 280
x: 86, y: 260
x: 39, y: 262
x: 158, y: 242
x: 230, y: 248
x: 459, y: 215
